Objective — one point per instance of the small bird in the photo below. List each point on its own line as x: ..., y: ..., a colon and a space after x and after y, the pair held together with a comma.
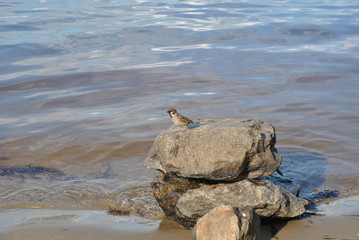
x: 177, y: 118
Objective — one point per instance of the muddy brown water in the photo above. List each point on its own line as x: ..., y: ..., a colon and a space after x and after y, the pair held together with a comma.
x: 81, y: 103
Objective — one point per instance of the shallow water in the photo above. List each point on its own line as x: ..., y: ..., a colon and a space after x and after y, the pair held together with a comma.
x: 84, y: 87
x: 339, y: 222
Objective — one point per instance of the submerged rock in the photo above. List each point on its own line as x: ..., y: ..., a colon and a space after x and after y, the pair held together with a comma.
x: 320, y: 195
x: 34, y: 172
x: 227, y: 223
x: 194, y: 198
x: 137, y: 201
x: 220, y: 150
x: 284, y: 182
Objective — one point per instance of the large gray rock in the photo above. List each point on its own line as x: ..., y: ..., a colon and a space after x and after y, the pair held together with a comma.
x: 187, y: 200
x: 266, y: 198
x: 225, y: 150
x: 227, y: 223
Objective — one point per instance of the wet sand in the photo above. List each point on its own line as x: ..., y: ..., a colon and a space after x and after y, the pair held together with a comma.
x: 335, y: 220
x: 320, y: 227
x: 89, y: 225
x: 87, y: 232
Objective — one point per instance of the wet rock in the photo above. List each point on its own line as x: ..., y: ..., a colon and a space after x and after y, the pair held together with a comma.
x: 317, y: 196
x: 194, y: 198
x: 167, y: 188
x: 137, y: 201
x: 227, y: 223
x: 284, y: 182
x: 221, y: 150
x: 34, y: 172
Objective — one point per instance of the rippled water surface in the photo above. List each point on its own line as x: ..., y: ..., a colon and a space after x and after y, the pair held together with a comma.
x: 84, y: 86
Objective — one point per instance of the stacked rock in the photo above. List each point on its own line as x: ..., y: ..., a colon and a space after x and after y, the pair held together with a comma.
x: 228, y: 223
x: 221, y: 162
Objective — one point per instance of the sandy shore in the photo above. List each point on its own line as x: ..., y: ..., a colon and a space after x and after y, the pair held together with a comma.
x: 335, y: 220
x: 91, y: 232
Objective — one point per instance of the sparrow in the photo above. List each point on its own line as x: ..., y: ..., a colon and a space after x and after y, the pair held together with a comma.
x: 177, y: 118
